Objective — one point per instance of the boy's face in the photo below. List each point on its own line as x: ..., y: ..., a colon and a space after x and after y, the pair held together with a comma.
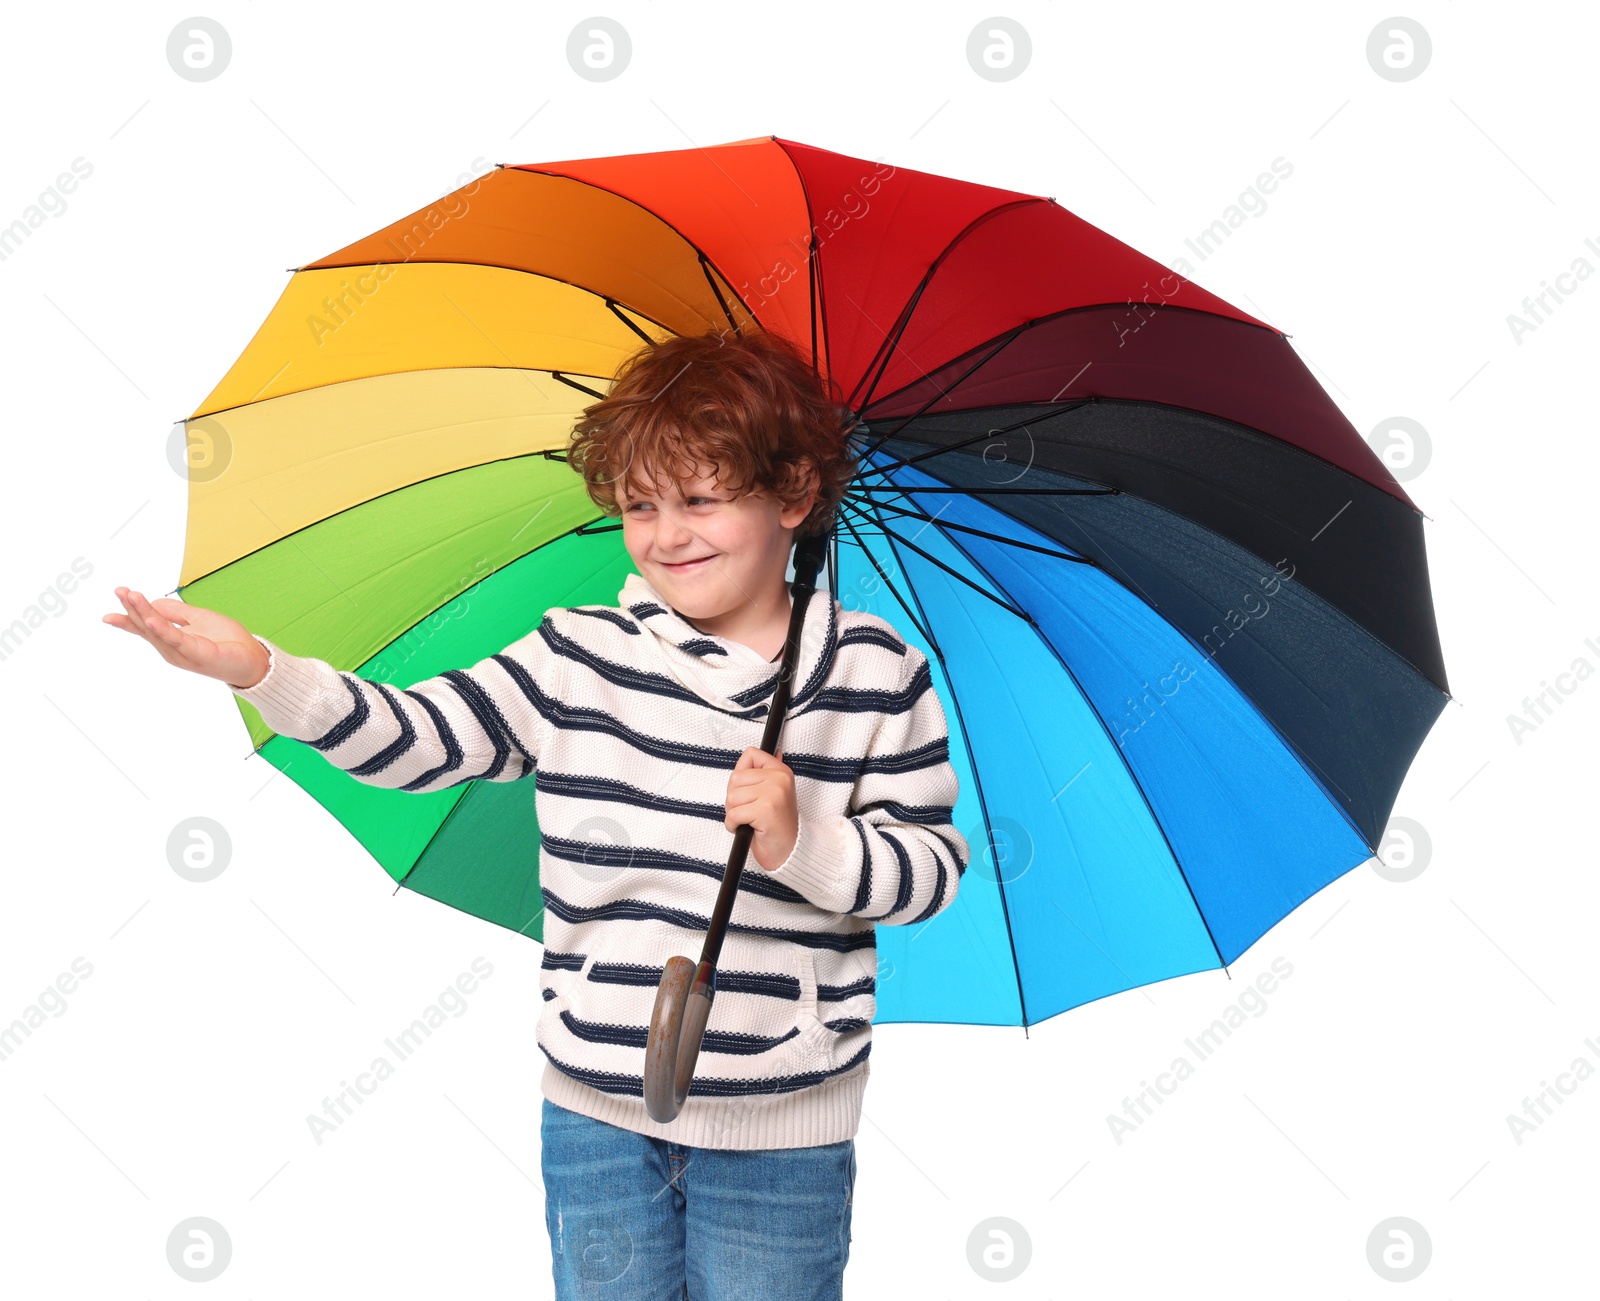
x: 709, y: 554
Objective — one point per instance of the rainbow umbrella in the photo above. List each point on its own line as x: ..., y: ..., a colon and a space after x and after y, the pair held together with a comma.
x: 1176, y: 610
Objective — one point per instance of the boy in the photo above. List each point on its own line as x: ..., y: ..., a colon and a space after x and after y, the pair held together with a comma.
x: 643, y: 721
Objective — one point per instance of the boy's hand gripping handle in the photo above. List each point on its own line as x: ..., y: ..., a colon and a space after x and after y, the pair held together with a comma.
x: 683, y: 999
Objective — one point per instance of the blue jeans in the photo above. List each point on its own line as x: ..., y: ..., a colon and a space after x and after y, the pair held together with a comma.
x: 636, y: 1218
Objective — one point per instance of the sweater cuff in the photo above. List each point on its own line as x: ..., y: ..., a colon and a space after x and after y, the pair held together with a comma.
x: 815, y: 866
x: 301, y: 697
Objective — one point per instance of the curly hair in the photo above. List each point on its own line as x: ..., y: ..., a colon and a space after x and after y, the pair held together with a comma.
x: 748, y: 405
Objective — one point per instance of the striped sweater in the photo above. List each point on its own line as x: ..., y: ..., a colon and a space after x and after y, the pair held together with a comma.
x: 631, y: 721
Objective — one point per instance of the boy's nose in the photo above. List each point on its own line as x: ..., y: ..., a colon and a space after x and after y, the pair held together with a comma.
x: 670, y: 533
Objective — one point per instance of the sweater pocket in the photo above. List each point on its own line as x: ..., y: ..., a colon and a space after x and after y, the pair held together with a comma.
x: 753, y: 1016
x: 600, y: 1016
x: 607, y: 1004
x: 815, y: 1052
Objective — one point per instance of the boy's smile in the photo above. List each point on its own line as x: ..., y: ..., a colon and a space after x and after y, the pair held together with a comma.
x: 719, y: 560
x: 687, y: 566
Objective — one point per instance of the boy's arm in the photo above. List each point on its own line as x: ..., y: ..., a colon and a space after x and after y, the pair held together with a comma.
x: 896, y: 857
x: 485, y: 722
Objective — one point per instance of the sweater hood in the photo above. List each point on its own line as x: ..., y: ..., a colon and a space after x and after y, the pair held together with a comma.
x: 729, y: 675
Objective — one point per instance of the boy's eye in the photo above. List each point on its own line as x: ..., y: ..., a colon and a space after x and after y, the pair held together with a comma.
x: 691, y: 500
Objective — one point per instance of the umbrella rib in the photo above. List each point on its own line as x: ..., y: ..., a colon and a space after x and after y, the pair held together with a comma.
x: 1127, y: 766
x: 548, y: 170
x: 579, y: 529
x: 387, y: 492
x: 572, y: 383
x: 621, y: 316
x: 1045, y: 319
x: 982, y: 533
x: 1125, y: 580
x: 812, y: 287
x: 1055, y: 410
x: 932, y: 559
x: 985, y: 492
x: 437, y: 832
x: 941, y: 393
x: 927, y: 635
x: 722, y: 302
x: 983, y: 804
x: 816, y: 312
x: 891, y: 341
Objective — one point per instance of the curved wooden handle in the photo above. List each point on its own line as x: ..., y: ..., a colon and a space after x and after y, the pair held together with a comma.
x: 677, y: 1026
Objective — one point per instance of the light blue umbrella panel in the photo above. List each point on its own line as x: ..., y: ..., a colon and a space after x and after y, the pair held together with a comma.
x: 1133, y: 815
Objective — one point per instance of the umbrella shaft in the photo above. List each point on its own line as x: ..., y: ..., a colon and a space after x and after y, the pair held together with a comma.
x: 807, y: 560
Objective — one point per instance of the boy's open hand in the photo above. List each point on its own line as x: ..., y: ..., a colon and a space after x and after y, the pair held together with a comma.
x: 761, y: 792
x: 194, y: 638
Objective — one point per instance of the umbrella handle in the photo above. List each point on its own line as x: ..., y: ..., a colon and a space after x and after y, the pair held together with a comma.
x: 683, y: 998
x: 677, y: 1025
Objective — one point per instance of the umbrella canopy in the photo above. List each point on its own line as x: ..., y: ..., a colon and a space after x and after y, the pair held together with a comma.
x: 1176, y: 610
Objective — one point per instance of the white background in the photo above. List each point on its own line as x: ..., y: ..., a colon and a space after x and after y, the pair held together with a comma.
x: 1419, y: 1015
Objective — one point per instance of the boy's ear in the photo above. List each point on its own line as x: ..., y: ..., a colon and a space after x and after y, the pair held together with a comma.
x: 813, y: 482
